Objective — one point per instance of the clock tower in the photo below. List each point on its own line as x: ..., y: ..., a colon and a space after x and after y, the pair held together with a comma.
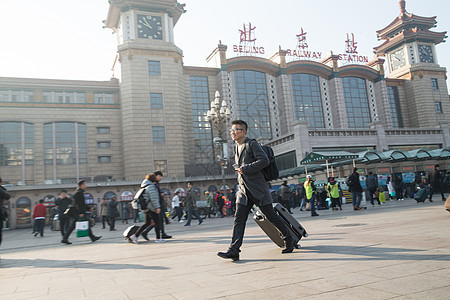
x: 151, y: 86
x: 409, y: 48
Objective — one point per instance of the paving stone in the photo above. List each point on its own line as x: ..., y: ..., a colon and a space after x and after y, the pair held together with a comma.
x: 388, y: 258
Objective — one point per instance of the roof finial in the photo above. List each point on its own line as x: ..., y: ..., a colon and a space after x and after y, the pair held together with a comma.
x: 402, y: 4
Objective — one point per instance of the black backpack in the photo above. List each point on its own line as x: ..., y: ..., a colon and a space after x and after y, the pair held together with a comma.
x: 271, y: 170
x: 140, y: 198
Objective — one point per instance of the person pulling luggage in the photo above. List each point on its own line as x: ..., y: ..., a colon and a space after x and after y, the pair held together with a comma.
x: 253, y: 190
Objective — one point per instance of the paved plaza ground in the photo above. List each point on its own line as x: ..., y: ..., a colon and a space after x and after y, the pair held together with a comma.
x: 400, y: 250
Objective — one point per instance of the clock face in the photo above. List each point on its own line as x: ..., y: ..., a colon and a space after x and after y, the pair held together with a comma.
x: 398, y: 59
x: 149, y: 27
x: 426, y: 54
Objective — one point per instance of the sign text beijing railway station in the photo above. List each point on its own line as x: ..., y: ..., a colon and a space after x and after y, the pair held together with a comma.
x: 248, y: 46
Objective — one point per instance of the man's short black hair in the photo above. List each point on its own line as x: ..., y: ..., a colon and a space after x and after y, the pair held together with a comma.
x: 240, y: 122
x: 63, y: 191
x: 190, y: 182
x: 436, y: 166
x: 158, y: 173
x: 41, y: 201
x: 81, y: 182
x: 355, y: 170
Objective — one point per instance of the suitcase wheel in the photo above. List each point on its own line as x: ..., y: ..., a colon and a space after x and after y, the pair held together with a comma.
x: 306, y: 235
x: 297, y: 246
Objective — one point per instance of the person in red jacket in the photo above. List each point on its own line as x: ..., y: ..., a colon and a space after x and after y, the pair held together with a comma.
x: 39, y: 213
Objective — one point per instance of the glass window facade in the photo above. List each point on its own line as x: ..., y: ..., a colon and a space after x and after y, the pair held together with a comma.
x: 103, y: 145
x: 16, y: 144
x: 63, y: 97
x: 104, y: 98
x: 394, y: 107
x: 434, y: 84
x: 154, y: 68
x: 204, y: 153
x: 286, y: 161
x: 63, y: 141
x: 15, y: 96
x: 103, y: 130
x: 356, y: 102
x: 158, y: 134
x: 438, y: 107
x: 104, y: 159
x: 156, y: 100
x: 253, y: 104
x: 307, y: 99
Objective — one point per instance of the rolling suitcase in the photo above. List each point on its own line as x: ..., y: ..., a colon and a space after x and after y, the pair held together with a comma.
x: 130, y: 231
x: 295, y: 229
x: 421, y: 195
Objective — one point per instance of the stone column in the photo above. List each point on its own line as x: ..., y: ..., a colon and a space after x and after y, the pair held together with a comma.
x: 381, y: 136
x: 445, y: 134
x: 302, y: 139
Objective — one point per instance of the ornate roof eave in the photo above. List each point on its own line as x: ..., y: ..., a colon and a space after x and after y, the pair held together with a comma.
x: 406, y: 20
x: 172, y: 7
x: 409, y: 35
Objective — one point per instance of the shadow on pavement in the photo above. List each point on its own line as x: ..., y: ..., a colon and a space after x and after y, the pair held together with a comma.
x: 47, y: 263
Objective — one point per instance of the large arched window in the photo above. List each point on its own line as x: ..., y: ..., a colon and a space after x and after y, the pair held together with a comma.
x: 16, y: 144
x: 65, y: 143
x: 356, y: 102
x: 307, y: 99
x: 203, y: 153
x: 252, y: 102
x: 394, y: 107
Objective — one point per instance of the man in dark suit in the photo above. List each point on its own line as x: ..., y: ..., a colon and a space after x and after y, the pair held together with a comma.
x: 253, y: 190
x: 80, y: 209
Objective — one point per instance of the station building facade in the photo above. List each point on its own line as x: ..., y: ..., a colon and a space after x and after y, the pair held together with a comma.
x: 54, y: 132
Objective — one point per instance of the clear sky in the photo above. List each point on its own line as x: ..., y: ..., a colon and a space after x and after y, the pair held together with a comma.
x: 62, y: 39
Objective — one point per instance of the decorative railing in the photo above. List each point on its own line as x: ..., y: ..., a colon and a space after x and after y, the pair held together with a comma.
x: 340, y: 132
x: 281, y: 140
x: 413, y: 131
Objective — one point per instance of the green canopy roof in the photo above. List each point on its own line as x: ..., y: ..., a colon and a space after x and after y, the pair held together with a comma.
x: 330, y: 156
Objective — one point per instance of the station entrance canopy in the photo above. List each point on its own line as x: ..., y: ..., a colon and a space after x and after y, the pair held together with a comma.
x: 328, y: 157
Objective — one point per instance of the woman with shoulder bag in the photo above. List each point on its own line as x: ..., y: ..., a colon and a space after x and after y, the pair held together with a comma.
x: 152, y: 210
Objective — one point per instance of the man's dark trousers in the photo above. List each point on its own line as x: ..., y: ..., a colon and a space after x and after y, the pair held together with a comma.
x: 436, y: 186
x: 193, y: 212
x: 241, y: 216
x: 64, y: 223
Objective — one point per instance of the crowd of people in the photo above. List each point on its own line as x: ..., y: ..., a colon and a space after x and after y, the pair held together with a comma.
x: 331, y: 195
x: 253, y: 190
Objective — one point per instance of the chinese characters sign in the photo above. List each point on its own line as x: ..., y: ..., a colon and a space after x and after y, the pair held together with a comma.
x: 247, y: 41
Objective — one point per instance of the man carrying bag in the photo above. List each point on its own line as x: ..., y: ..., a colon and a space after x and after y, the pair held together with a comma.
x: 80, y: 208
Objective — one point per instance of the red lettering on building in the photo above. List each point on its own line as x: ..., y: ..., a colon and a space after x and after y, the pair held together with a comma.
x: 246, y: 35
x: 351, y: 44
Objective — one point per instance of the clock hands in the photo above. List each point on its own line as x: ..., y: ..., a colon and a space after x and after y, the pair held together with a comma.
x: 145, y: 23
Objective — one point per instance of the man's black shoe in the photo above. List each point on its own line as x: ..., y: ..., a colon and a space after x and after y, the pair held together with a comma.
x: 229, y: 254
x: 289, y: 247
x: 145, y: 236
x: 166, y: 236
x: 314, y: 215
x: 96, y: 238
x: 66, y: 242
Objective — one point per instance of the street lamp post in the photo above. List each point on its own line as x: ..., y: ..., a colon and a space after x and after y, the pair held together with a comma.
x: 219, y: 115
